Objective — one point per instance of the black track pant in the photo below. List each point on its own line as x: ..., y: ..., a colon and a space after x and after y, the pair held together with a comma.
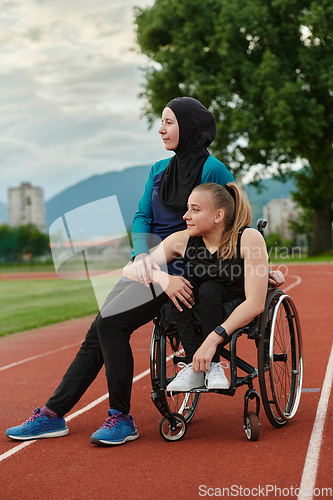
x: 215, y: 303
x: 108, y: 342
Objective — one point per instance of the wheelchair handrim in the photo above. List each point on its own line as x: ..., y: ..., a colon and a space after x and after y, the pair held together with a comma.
x: 294, y: 403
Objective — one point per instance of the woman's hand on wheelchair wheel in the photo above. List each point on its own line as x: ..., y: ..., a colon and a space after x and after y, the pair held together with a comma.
x: 276, y: 278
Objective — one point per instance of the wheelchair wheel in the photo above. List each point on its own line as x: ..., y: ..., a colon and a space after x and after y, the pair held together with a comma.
x: 280, y: 358
x: 252, y: 426
x: 164, y: 346
x: 173, y: 434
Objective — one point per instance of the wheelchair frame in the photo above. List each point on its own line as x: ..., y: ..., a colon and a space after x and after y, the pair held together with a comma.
x: 277, y: 335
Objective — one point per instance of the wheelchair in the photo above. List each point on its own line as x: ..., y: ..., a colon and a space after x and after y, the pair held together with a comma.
x: 277, y: 336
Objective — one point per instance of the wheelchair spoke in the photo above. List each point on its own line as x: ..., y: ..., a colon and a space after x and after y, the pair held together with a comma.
x: 184, y: 404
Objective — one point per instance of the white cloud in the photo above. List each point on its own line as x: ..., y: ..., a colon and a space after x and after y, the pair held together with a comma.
x: 69, y: 105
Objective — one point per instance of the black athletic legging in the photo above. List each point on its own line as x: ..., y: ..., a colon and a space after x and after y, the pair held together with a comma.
x: 215, y: 303
x: 108, y: 342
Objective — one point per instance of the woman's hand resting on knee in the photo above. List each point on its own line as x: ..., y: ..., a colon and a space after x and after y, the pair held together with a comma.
x: 142, y: 268
x: 177, y: 288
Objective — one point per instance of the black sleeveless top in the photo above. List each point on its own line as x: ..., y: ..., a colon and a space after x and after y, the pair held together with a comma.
x: 203, y: 266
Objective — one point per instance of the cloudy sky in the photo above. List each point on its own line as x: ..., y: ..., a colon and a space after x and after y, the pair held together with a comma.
x: 69, y: 105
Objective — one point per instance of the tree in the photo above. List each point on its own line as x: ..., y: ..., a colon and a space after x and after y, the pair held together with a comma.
x: 265, y: 69
x: 303, y: 226
x: 30, y: 241
x: 7, y: 243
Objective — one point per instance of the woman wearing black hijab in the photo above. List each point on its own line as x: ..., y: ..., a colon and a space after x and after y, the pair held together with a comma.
x: 188, y: 129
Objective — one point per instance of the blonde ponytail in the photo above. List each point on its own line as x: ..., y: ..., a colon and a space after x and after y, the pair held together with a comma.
x: 237, y: 213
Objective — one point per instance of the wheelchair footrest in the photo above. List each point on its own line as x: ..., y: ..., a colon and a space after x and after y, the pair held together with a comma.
x: 180, y: 359
x: 228, y: 392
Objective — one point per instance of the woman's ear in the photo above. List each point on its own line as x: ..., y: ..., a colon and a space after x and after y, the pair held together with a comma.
x: 219, y: 216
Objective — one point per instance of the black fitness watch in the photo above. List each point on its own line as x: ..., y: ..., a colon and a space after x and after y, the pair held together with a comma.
x: 221, y: 331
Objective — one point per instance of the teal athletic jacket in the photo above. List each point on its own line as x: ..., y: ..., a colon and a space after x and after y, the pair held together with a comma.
x: 152, y: 218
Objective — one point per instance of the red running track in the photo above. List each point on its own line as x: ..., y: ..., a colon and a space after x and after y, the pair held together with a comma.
x: 214, y: 453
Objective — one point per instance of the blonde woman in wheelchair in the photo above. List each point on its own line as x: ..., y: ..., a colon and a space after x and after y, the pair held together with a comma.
x: 226, y: 262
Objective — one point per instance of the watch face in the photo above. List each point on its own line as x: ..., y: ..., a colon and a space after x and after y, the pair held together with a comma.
x: 219, y: 330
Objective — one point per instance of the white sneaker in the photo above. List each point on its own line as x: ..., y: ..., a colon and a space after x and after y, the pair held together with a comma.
x: 186, y: 379
x: 215, y: 378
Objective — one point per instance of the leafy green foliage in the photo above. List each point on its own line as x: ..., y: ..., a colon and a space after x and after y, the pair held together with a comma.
x: 15, y: 243
x: 7, y: 242
x: 273, y: 239
x: 303, y: 225
x: 265, y: 69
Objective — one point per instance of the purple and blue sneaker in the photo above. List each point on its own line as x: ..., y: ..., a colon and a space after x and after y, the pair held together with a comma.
x: 38, y: 426
x: 117, y: 429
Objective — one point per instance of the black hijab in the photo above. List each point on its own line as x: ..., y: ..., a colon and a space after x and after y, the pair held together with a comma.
x: 197, y: 129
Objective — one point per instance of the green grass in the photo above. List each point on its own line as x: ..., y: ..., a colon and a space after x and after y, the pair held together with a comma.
x: 276, y: 259
x: 31, y: 304
x: 26, y: 268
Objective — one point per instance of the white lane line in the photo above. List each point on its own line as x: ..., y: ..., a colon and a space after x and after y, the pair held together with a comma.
x: 297, y: 282
x: 16, y: 449
x: 38, y: 356
x: 101, y: 399
x: 21, y: 446
x: 308, y: 481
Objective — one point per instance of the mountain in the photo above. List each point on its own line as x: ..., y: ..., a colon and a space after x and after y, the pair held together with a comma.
x: 128, y: 186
